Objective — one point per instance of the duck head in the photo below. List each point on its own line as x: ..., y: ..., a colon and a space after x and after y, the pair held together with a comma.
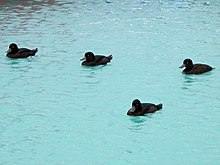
x: 187, y: 63
x: 136, y: 106
x: 88, y: 57
x: 13, y: 48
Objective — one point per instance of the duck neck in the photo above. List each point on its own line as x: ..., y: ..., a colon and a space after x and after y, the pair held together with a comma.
x: 15, y: 50
x: 138, y: 109
x: 188, y: 67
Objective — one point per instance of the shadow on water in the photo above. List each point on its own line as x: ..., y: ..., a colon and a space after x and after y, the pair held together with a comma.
x: 138, y: 119
x: 138, y: 122
x: 188, y: 81
x: 194, y: 84
x: 23, y: 65
x: 90, y: 72
x: 93, y: 68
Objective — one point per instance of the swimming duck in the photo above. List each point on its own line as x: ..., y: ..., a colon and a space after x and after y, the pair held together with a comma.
x: 191, y: 68
x: 15, y: 52
x: 140, y: 109
x: 92, y: 60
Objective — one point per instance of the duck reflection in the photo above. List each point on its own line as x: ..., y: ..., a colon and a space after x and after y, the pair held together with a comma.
x: 189, y: 79
x: 138, y: 122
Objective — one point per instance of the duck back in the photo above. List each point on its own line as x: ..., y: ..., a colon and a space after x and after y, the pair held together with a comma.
x: 22, y: 53
x: 198, y: 69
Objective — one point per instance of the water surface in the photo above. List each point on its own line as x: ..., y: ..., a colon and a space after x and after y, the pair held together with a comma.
x: 55, y: 111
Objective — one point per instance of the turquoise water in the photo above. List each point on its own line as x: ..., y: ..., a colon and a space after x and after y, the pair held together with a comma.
x: 55, y: 111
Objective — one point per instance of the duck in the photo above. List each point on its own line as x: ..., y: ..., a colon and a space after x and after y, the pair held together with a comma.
x: 140, y: 109
x: 90, y: 59
x: 191, y: 68
x: 15, y: 52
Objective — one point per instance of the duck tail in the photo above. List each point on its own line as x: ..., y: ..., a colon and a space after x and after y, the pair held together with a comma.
x: 159, y: 106
x: 110, y: 57
x: 35, y: 50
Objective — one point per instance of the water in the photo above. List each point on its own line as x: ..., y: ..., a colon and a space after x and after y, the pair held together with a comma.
x: 55, y: 111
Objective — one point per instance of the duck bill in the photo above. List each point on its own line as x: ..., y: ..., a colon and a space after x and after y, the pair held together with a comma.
x: 82, y: 59
x: 8, y: 51
x: 132, y: 109
x: 182, y: 66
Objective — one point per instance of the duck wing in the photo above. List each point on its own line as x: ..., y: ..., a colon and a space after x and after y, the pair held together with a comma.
x: 101, y: 60
x: 92, y: 63
x: 24, y: 52
x: 151, y: 108
x: 200, y: 68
